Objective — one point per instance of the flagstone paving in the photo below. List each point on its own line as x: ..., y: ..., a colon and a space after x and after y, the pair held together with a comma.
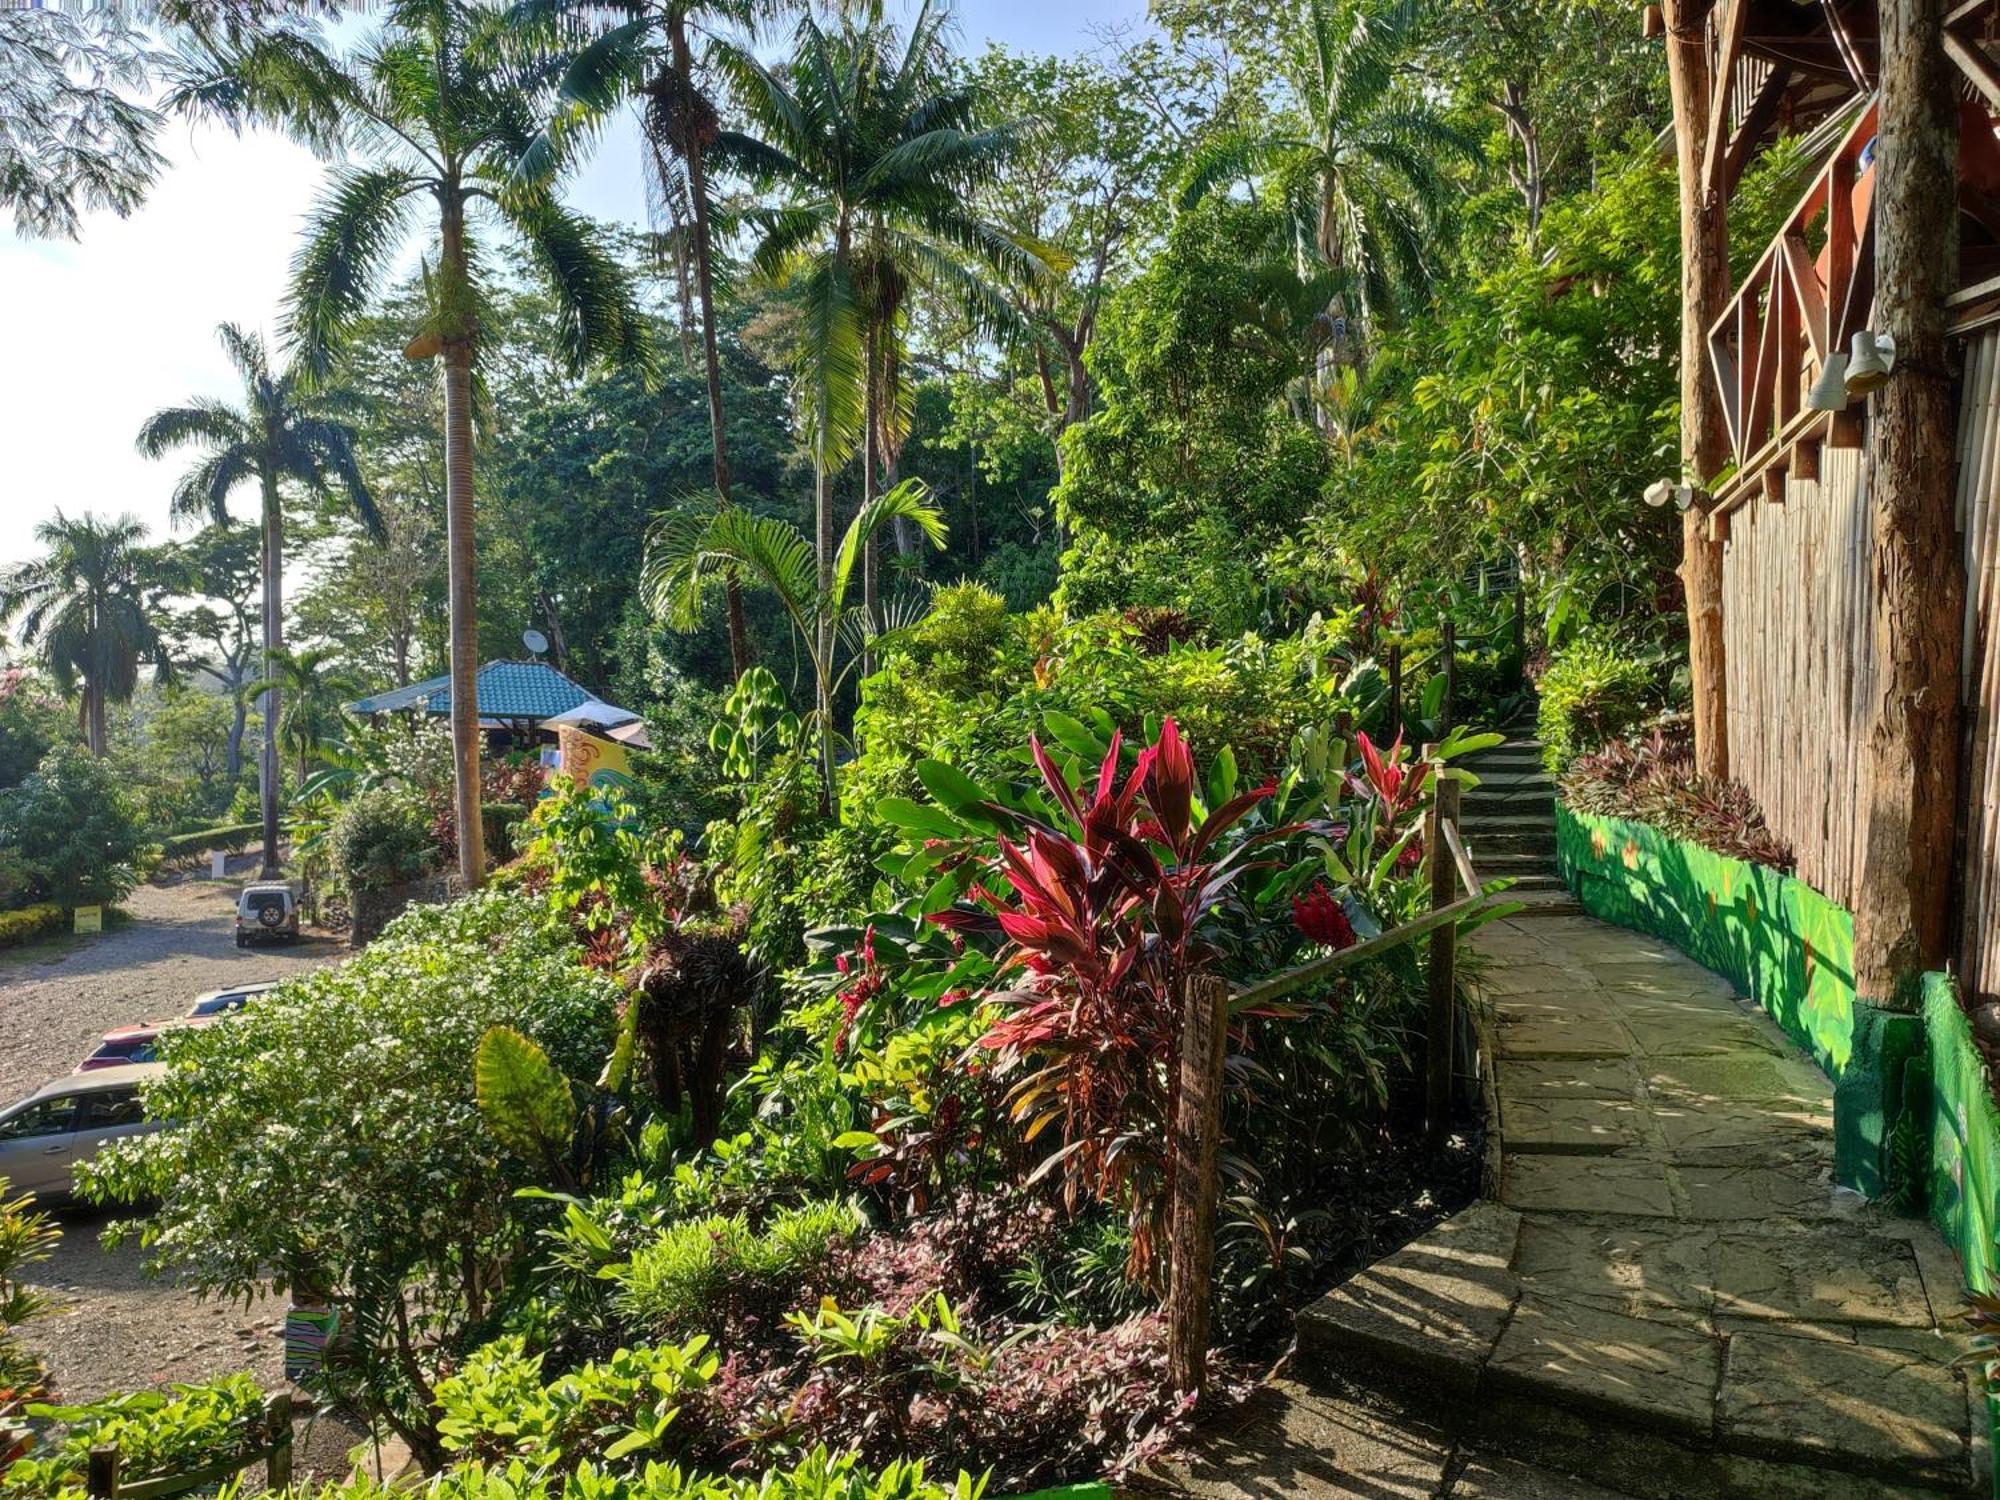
x: 1666, y: 1296
x: 1667, y: 1292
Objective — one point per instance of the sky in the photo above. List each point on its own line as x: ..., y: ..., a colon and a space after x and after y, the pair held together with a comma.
x: 97, y: 334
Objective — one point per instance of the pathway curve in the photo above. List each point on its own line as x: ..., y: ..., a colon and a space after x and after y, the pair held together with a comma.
x: 1667, y: 1292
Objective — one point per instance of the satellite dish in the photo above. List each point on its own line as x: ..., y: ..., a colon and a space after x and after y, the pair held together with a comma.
x: 535, y: 641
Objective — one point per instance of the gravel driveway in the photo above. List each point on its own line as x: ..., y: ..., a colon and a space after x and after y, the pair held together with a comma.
x: 111, y: 1327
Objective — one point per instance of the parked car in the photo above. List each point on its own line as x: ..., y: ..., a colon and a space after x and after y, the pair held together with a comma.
x: 221, y: 1002
x: 129, y: 1044
x: 267, y: 912
x: 44, y: 1136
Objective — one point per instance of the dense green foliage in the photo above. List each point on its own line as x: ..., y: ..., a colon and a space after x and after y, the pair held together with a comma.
x: 67, y: 834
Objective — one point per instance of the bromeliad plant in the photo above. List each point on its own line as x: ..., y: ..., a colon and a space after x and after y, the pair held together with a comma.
x: 1107, y: 912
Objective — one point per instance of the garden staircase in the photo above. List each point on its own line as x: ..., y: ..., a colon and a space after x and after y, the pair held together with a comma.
x: 1509, y: 821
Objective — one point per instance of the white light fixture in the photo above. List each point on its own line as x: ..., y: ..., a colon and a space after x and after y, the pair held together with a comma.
x: 1659, y: 492
x: 1829, y: 392
x: 1870, y: 359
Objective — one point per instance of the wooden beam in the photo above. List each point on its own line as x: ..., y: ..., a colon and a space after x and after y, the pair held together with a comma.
x: 1773, y: 480
x: 1721, y: 79
x: 1757, y: 119
x: 1975, y: 65
x: 1843, y: 41
x: 1805, y: 458
x: 1806, y: 290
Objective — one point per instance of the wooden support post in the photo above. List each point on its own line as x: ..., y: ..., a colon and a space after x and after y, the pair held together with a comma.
x: 1518, y: 670
x: 101, y: 1477
x: 1450, y: 709
x: 1395, y: 692
x: 1196, y: 1144
x: 278, y: 1435
x: 1442, y: 1013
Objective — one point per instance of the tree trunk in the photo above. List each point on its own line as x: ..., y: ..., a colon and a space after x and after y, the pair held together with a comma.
x: 90, y: 710
x: 461, y: 557
x: 1902, y: 917
x: 1704, y: 433
x: 704, y: 281
x: 823, y: 632
x: 870, y: 479
x: 268, y: 703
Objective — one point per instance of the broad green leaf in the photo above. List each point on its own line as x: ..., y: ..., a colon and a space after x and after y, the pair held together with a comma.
x: 918, y: 818
x: 523, y: 1097
x: 951, y: 786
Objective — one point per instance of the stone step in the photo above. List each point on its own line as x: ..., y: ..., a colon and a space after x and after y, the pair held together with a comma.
x: 1472, y: 1327
x: 1510, y: 836
x: 1556, y: 901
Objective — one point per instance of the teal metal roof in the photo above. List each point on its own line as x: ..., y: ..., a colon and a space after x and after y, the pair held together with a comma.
x: 506, y: 690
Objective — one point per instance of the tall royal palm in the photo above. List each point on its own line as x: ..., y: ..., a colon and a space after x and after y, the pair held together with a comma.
x: 281, y: 435
x: 1364, y: 174
x: 438, y: 111
x: 873, y: 148
x: 648, y: 54
x: 86, y: 610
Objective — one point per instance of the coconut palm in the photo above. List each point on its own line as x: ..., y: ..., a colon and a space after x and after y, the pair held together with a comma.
x: 687, y: 552
x: 314, y: 694
x: 441, y: 110
x: 647, y: 54
x: 88, y: 612
x: 875, y: 148
x: 280, y: 435
x: 1364, y: 179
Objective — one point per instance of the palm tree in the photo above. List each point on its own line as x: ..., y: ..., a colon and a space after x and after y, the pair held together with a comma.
x: 649, y: 56
x: 314, y: 695
x: 687, y: 551
x: 444, y: 110
x: 88, y: 612
x: 1364, y: 180
x: 280, y: 435
x: 876, y: 148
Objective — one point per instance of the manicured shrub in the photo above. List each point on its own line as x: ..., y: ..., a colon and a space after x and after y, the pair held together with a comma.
x: 699, y: 1270
x: 1591, y: 694
x: 230, y: 836
x: 29, y: 923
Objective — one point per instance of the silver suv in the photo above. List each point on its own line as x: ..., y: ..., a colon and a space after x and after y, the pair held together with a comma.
x: 44, y: 1136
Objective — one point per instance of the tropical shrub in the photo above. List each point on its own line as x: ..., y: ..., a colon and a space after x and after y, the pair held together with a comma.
x: 817, y: 1475
x: 1591, y: 694
x: 380, y: 839
x: 69, y: 825
x: 157, y: 1434
x: 705, y: 1274
x: 331, y: 1139
x: 231, y: 836
x: 1654, y: 781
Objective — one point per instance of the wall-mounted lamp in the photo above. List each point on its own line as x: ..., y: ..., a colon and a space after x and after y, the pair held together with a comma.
x: 1870, y: 359
x: 1829, y: 392
x: 1660, y: 491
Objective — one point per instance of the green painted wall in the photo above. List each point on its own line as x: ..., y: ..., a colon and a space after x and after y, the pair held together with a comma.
x: 1964, y: 1166
x: 1790, y: 948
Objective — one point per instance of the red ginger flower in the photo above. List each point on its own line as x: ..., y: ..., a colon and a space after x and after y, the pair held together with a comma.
x: 1319, y: 915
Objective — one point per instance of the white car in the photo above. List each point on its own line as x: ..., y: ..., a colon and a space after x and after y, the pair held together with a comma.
x: 222, y: 1002
x: 267, y: 912
x: 44, y: 1136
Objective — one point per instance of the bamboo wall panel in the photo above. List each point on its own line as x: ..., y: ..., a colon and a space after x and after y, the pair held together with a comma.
x: 1796, y: 644
x: 1979, y: 520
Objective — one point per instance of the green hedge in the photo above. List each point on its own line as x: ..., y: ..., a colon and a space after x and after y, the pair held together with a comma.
x: 29, y: 922
x: 231, y: 836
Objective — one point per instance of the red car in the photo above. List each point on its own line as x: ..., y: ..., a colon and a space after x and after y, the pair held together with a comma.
x: 127, y: 1045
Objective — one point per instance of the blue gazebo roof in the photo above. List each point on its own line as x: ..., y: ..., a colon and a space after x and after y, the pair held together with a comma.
x: 530, y: 690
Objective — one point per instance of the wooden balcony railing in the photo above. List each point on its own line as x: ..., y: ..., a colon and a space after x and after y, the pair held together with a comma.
x: 1805, y: 298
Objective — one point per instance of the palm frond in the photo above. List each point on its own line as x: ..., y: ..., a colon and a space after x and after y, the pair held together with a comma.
x: 350, y: 236
x: 908, y: 501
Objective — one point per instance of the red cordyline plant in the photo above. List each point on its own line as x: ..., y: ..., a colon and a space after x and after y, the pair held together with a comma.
x: 1105, y: 920
x: 1394, y: 787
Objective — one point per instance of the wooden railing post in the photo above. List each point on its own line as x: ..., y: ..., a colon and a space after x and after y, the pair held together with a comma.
x: 1517, y: 671
x: 1449, y: 713
x: 101, y: 1477
x: 1196, y: 1143
x: 1395, y: 692
x: 278, y: 1435
x: 1439, y: 1041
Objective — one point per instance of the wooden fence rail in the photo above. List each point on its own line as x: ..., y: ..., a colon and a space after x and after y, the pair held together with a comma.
x: 273, y: 1449
x: 1197, y: 1126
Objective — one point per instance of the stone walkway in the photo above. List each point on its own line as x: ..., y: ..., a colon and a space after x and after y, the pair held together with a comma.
x: 1667, y: 1293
